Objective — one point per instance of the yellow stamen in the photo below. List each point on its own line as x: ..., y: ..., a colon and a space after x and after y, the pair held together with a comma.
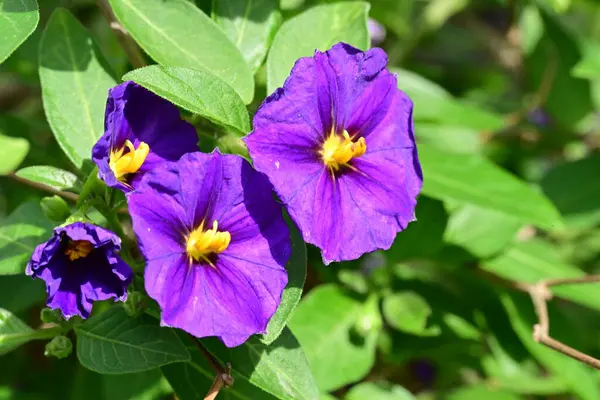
x: 201, y: 244
x: 78, y: 249
x: 339, y: 150
x: 130, y: 162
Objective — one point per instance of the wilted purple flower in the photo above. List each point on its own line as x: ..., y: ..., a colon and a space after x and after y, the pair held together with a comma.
x: 337, y: 144
x: 142, y: 130
x: 80, y: 264
x: 215, y: 243
x: 376, y: 32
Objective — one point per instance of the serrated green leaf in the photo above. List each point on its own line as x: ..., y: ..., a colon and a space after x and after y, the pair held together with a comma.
x: 280, y: 368
x: 13, y: 151
x: 114, y: 343
x: 296, y: 269
x: 373, y: 391
x: 474, y: 180
x: 578, y: 376
x: 324, y: 324
x: 319, y: 28
x: 192, y: 380
x: 199, y: 92
x: 74, y: 85
x: 20, y: 232
x: 534, y: 260
x: 408, y: 312
x: 177, y: 33
x: 250, y: 24
x: 18, y: 20
x: 56, y: 178
x: 13, y: 332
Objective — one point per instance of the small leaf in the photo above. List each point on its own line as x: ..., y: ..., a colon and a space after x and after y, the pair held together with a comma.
x: 191, y: 380
x: 318, y: 28
x: 74, y: 85
x: 534, y: 260
x: 373, y: 391
x: 249, y: 24
x: 56, y: 178
x: 408, y: 312
x: 13, y: 332
x: 20, y: 232
x: 474, y: 180
x: 177, y: 33
x: 280, y: 369
x: 18, y: 20
x: 296, y: 268
x: 114, y: 343
x: 197, y: 91
x: 12, y: 151
x: 324, y: 324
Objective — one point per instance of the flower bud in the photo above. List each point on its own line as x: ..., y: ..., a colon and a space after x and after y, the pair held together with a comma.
x: 135, y: 304
x: 55, y: 208
x: 49, y: 316
x: 59, y: 347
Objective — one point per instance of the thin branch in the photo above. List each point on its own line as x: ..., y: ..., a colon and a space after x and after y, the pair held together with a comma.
x: 223, y: 376
x: 540, y: 295
x: 46, y: 188
x: 134, y: 54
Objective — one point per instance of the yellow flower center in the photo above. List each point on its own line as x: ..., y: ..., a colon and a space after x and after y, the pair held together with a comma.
x: 78, y: 249
x: 339, y: 150
x: 130, y: 162
x: 201, y: 244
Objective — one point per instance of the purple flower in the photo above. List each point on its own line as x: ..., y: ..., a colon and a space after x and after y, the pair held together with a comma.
x: 216, y: 245
x: 337, y: 143
x: 376, y: 32
x: 80, y: 264
x: 142, y: 130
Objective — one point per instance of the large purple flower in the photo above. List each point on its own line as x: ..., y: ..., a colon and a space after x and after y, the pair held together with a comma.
x: 80, y: 264
x: 337, y: 144
x: 215, y: 243
x: 142, y: 130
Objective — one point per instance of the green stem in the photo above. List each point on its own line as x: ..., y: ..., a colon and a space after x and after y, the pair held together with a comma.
x: 88, y: 187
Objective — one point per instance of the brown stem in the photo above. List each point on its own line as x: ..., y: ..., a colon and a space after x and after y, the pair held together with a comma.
x: 540, y: 295
x: 134, y: 54
x: 46, y: 188
x: 223, y: 376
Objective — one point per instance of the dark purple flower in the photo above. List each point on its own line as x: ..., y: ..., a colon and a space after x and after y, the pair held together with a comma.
x: 142, y: 130
x: 337, y: 144
x: 80, y: 264
x: 216, y: 245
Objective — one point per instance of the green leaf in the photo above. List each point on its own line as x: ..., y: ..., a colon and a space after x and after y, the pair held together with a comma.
x: 20, y: 232
x: 250, y: 24
x: 74, y: 85
x: 177, y: 33
x: 13, y: 332
x: 18, y: 20
x: 318, y: 28
x: 296, y: 269
x: 589, y: 65
x: 451, y: 138
x: 199, y: 92
x: 373, y: 391
x: 481, y: 392
x: 191, y: 380
x: 531, y: 25
x: 423, y: 237
x: 147, y: 385
x: 577, y: 375
x: 19, y: 292
x: 573, y: 187
x: 114, y: 343
x: 324, y: 324
x: 408, y: 312
x: 481, y: 231
x: 474, y: 180
x: 280, y: 368
x: 56, y: 178
x: 13, y: 151
x: 560, y: 6
x: 534, y: 260
x: 437, y: 12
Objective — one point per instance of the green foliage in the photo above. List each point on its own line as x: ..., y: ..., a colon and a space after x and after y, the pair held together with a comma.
x: 49, y: 175
x: 12, y: 153
x: 408, y: 312
x: 113, y: 343
x: 373, y: 391
x: 20, y: 18
x: 13, y: 332
x: 177, y: 33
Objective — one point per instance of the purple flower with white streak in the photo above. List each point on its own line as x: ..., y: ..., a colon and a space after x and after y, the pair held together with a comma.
x: 337, y: 143
x: 80, y: 264
x: 215, y: 243
x: 142, y: 130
